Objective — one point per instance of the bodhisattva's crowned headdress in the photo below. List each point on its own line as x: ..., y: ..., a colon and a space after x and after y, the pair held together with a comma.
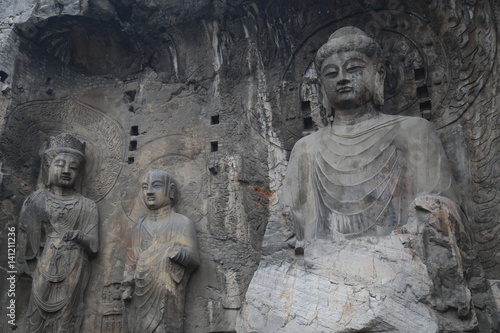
x: 66, y: 142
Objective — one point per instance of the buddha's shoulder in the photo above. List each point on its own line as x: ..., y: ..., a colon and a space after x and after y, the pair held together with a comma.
x: 311, y: 140
x: 416, y: 128
x: 416, y: 122
x: 405, y: 125
x: 404, y: 120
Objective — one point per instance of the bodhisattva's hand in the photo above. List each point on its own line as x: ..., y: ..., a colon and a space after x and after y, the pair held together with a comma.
x: 76, y: 236
x: 174, y: 252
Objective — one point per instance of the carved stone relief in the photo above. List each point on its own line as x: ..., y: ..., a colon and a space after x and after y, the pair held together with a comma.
x: 58, y: 234
x: 111, y: 320
x: 29, y: 125
x: 482, y: 133
x: 218, y: 93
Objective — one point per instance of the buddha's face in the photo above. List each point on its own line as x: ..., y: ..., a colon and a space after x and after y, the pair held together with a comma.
x: 64, y: 171
x: 349, y: 79
x: 154, y: 190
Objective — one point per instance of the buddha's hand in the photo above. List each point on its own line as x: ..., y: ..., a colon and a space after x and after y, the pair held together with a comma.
x: 127, y: 291
x: 437, y: 205
x: 441, y: 213
x: 428, y: 203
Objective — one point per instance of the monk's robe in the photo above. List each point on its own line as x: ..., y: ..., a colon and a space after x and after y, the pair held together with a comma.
x: 160, y: 282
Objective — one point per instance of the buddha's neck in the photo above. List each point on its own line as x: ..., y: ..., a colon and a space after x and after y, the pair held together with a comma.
x: 354, y: 116
x: 61, y: 191
x: 160, y: 213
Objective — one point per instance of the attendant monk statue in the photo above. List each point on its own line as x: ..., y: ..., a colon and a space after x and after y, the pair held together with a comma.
x: 58, y: 234
x: 369, y: 235
x: 161, y: 254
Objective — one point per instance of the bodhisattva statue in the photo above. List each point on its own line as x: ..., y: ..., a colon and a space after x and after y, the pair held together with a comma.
x: 161, y: 254
x: 58, y: 234
x: 369, y: 207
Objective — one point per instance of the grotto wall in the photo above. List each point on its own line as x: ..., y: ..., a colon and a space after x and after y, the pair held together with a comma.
x: 217, y: 92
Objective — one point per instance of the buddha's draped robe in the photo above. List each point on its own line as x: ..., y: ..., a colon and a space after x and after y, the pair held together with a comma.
x: 158, y: 299
x: 62, y: 267
x: 361, y: 179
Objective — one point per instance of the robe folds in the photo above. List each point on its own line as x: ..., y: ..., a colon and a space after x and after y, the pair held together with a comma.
x: 361, y: 179
x: 62, y: 267
x: 160, y: 282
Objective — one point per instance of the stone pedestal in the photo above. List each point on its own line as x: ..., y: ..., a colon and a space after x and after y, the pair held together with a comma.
x: 417, y: 279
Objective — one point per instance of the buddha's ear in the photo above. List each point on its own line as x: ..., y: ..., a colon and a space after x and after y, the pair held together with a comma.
x: 172, y: 191
x: 328, y: 109
x: 378, y: 94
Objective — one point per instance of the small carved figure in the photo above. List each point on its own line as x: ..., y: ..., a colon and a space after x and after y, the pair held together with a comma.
x: 58, y: 232
x: 161, y: 254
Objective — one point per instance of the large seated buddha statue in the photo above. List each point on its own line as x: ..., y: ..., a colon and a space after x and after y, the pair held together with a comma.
x: 359, y: 175
x: 369, y: 234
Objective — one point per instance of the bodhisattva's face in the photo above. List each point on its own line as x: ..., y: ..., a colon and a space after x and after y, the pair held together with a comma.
x: 64, y: 171
x: 349, y: 79
x: 154, y: 191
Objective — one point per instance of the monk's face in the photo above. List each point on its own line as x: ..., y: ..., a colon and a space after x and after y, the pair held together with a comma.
x: 64, y: 171
x: 154, y: 190
x: 349, y: 79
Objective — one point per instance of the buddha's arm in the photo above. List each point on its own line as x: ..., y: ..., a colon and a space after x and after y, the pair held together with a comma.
x: 428, y: 161
x: 285, y: 228
x: 298, y: 200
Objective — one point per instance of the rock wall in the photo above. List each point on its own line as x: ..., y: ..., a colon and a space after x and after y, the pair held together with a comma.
x: 217, y: 92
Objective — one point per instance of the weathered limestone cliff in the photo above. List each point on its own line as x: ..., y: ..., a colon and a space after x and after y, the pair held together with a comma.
x: 217, y: 92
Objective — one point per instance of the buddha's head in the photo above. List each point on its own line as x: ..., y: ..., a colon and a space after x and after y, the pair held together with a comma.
x: 63, y: 161
x: 350, y: 69
x: 158, y: 189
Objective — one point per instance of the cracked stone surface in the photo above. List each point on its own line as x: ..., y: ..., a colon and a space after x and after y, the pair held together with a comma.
x: 143, y: 82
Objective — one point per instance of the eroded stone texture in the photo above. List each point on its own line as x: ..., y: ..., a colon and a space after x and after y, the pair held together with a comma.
x: 398, y: 281
x: 155, y: 75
